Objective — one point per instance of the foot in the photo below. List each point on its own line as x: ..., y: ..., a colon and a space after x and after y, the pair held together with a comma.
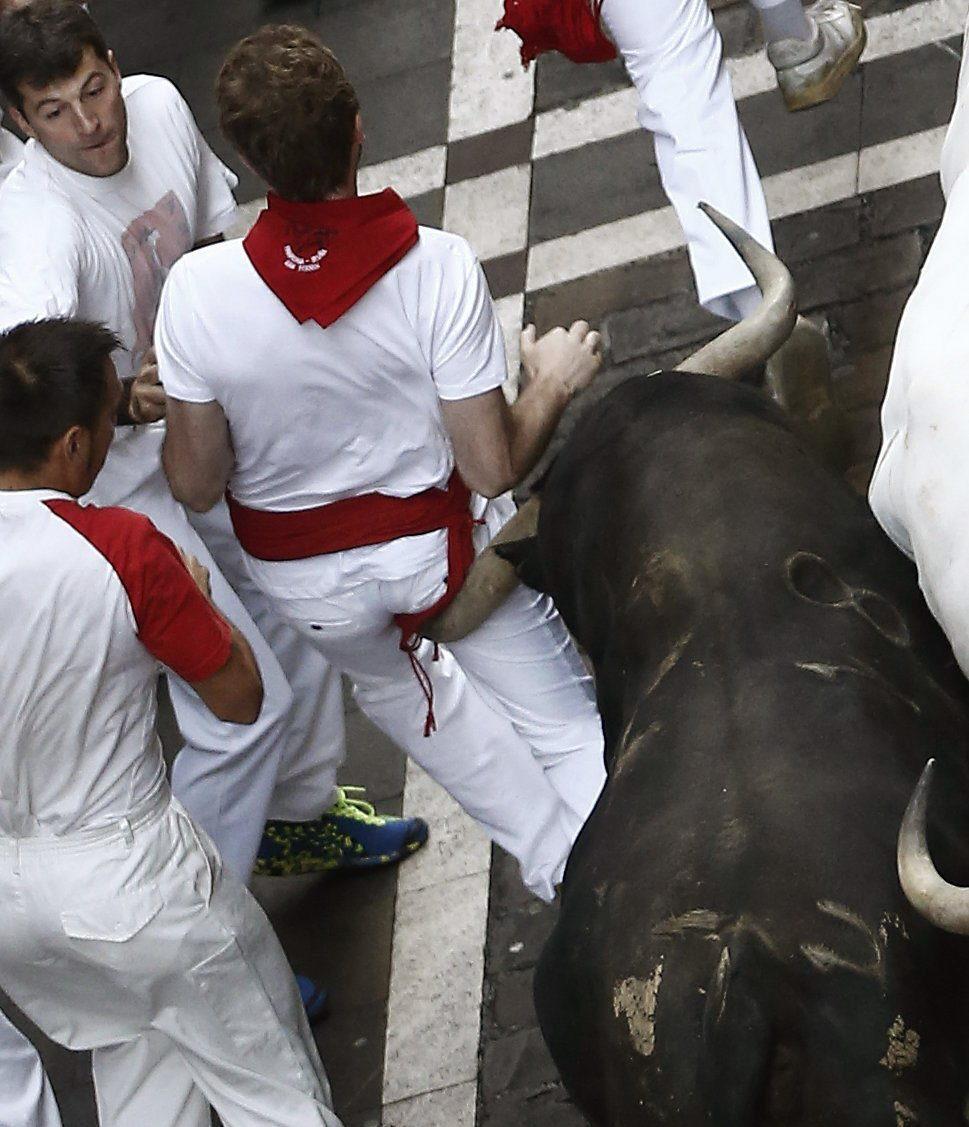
x: 810, y: 71
x: 350, y: 835
x: 315, y: 998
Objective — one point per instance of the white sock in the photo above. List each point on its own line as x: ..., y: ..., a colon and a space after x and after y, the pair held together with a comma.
x: 783, y: 19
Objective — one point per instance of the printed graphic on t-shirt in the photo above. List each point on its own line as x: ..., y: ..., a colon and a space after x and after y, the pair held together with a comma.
x: 153, y: 243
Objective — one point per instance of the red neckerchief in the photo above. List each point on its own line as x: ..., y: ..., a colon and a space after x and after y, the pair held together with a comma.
x: 319, y: 259
x: 570, y: 27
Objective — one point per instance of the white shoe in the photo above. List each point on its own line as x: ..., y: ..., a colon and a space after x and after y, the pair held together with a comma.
x: 810, y: 71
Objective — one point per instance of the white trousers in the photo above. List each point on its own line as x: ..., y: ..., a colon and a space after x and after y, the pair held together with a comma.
x: 26, y: 1099
x: 518, y: 741
x: 132, y: 943
x: 673, y: 54
x: 227, y: 774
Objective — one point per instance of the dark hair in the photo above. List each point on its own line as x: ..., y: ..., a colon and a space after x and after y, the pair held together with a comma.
x: 288, y: 107
x: 52, y: 378
x: 43, y: 43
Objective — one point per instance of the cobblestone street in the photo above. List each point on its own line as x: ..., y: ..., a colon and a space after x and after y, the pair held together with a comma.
x: 549, y: 177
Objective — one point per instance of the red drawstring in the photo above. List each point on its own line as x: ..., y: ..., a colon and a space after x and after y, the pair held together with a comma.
x: 409, y: 646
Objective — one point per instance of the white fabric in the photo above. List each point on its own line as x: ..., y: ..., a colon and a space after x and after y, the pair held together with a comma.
x: 919, y: 491
x: 673, y: 54
x: 11, y: 153
x: 518, y: 741
x: 100, y: 248
x: 426, y: 331
x: 66, y: 670
x: 26, y: 1098
x: 132, y: 943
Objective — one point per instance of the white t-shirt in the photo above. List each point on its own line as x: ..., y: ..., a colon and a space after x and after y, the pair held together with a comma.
x: 91, y: 600
x: 11, y: 153
x: 318, y: 414
x: 101, y: 247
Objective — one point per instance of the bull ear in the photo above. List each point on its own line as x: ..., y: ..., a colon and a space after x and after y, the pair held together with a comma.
x: 526, y: 558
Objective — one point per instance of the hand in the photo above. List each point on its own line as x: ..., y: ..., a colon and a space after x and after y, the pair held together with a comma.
x: 569, y: 358
x: 198, y: 572
x: 146, y: 403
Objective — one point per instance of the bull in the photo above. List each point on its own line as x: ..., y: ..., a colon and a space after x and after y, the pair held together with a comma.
x: 733, y: 946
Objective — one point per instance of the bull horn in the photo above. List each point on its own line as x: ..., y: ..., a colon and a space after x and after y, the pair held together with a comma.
x: 750, y: 342
x: 943, y: 904
x: 489, y: 582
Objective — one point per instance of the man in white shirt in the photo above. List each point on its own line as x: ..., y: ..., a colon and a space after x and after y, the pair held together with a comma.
x: 120, y: 932
x: 116, y: 184
x: 358, y: 362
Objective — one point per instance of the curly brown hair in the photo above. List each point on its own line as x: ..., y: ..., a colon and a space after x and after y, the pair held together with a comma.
x: 287, y: 106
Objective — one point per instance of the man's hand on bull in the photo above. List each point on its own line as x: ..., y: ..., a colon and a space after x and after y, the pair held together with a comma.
x: 566, y: 358
x: 143, y: 400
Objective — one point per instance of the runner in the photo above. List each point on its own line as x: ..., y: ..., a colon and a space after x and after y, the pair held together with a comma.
x: 117, y: 184
x: 120, y: 932
x: 358, y: 362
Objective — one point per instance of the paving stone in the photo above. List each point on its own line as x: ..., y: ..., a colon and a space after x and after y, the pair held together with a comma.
x: 595, y: 184
x: 506, y: 274
x: 445, y: 1107
x: 915, y: 203
x: 547, y: 1109
x: 658, y: 326
x: 882, y: 265
x: 610, y: 291
x: 519, y: 1063
x: 813, y: 234
x: 488, y: 152
x: 510, y: 1004
x: 781, y: 141
x: 428, y: 207
x: 739, y: 28
x: 873, y: 321
x: 558, y: 81
x: 506, y: 891
x: 863, y: 383
x: 516, y: 939
x: 404, y: 113
x: 351, y: 1044
x: 909, y: 92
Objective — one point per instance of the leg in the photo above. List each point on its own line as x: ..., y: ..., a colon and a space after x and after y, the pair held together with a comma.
x: 146, y: 1081
x: 313, y: 748
x: 672, y: 51
x: 26, y: 1099
x: 524, y: 663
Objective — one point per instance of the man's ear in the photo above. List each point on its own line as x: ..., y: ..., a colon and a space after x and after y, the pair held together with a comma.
x: 20, y: 121
x: 358, y: 134
x: 526, y: 558
x: 113, y: 62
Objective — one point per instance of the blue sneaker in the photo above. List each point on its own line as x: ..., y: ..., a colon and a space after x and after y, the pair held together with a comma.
x: 315, y: 998
x: 350, y: 835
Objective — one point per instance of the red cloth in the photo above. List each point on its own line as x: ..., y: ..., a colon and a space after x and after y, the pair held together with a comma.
x: 176, y: 623
x: 570, y: 27
x: 357, y: 522
x: 319, y: 259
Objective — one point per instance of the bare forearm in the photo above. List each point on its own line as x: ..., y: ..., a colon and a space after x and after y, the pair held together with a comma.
x: 532, y: 420
x: 197, y: 491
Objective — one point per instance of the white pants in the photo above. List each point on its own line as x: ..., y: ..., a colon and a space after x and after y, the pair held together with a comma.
x: 227, y: 774
x: 26, y: 1099
x: 132, y: 943
x: 518, y: 741
x: 673, y: 54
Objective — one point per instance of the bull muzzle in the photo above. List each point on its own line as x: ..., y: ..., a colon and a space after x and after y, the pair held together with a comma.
x: 942, y: 904
x: 741, y: 348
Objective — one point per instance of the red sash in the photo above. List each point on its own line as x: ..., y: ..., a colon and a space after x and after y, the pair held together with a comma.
x: 570, y: 27
x: 358, y: 522
x: 319, y: 259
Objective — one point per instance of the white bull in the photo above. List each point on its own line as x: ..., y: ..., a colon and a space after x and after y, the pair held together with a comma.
x: 920, y: 489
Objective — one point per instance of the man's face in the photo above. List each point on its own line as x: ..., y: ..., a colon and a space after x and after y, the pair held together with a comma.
x: 80, y: 120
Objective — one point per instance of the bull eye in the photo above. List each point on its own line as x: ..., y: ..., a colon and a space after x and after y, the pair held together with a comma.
x: 812, y: 578
x: 883, y: 616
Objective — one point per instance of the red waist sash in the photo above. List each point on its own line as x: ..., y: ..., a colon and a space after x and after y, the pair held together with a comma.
x: 359, y: 522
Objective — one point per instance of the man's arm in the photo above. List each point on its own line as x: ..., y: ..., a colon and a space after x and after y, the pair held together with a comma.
x: 496, y: 445
x: 197, y: 454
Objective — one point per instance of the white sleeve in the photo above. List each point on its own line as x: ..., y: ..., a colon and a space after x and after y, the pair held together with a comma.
x: 177, y: 370
x: 41, y: 262
x: 215, y: 205
x: 468, y: 349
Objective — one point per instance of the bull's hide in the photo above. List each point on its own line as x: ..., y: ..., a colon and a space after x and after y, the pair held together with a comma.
x: 733, y: 946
